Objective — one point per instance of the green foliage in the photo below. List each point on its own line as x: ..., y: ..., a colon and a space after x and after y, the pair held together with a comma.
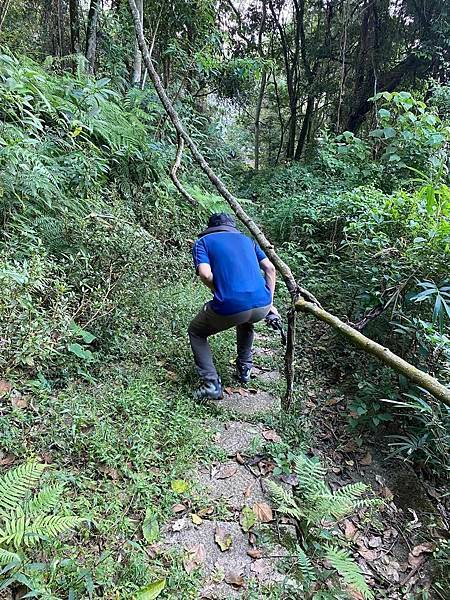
x: 26, y: 520
x: 316, y: 509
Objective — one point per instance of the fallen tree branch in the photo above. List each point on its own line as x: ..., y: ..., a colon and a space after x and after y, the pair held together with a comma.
x: 173, y: 173
x: 390, y: 359
x: 302, y: 298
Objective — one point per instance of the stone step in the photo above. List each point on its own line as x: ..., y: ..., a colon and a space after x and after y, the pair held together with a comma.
x: 251, y: 403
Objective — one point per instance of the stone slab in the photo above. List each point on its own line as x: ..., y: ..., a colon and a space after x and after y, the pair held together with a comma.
x: 238, y: 436
x: 241, y: 489
x: 253, y: 404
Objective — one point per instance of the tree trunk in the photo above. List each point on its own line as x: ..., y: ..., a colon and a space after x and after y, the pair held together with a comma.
x: 303, y: 299
x: 4, y: 5
x: 305, y: 127
x: 390, y: 359
x: 74, y: 14
x: 137, y: 63
x: 91, y: 35
x: 258, y: 117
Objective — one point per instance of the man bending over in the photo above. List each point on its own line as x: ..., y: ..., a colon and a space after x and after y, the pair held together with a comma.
x: 231, y: 265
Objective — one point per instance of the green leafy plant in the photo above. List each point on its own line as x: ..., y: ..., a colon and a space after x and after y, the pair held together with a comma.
x: 316, y: 509
x: 26, y: 518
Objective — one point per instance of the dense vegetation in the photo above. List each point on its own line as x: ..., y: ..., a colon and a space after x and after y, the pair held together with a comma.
x: 330, y: 122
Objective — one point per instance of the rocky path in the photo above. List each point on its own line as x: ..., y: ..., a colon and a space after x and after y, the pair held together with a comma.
x: 229, y: 533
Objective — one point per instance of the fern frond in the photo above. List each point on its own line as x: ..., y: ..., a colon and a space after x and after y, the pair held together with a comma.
x: 45, y: 526
x: 16, y: 484
x: 7, y: 557
x: 44, y: 501
x: 351, y: 491
x: 285, y: 501
x: 305, y: 565
x: 348, y: 570
x: 311, y: 475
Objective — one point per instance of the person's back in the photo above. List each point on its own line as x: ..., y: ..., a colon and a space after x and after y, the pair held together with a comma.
x: 234, y: 259
x: 229, y: 264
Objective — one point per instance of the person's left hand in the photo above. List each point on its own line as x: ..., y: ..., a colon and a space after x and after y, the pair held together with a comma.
x: 274, y: 311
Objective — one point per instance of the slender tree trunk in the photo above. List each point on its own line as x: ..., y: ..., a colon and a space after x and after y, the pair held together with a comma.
x: 4, y: 5
x: 258, y: 117
x: 137, y: 63
x: 305, y: 127
x: 290, y: 147
x: 91, y: 35
x: 302, y: 298
x: 74, y: 14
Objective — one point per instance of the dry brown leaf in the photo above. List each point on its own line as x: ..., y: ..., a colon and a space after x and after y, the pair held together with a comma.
x: 177, y: 508
x: 248, y: 490
x: 19, y: 401
x: 255, y: 553
x: 203, y: 512
x: 350, y: 529
x: 194, y: 558
x: 422, y: 548
x: 252, y: 538
x: 5, y: 387
x: 227, y: 471
x: 271, y: 435
x: 366, y: 460
x: 223, y: 539
x: 239, y: 459
x: 263, y: 512
x: 240, y: 391
x: 261, y: 568
x: 415, y: 561
x: 234, y: 579
x: 369, y: 555
x: 6, y: 459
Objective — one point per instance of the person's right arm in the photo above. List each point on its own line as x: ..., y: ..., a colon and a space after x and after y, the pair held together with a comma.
x: 270, y: 276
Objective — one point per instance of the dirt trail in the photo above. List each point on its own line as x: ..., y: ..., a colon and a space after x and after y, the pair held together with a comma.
x: 239, y: 558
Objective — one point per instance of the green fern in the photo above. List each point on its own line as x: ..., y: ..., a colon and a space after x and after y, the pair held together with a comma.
x: 17, y: 483
x: 348, y: 570
x: 26, y: 519
x: 285, y: 501
x: 305, y: 565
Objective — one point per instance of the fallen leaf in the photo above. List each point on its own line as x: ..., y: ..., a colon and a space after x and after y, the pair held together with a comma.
x: 369, y: 555
x: 194, y: 558
x: 252, y: 538
x: 333, y: 401
x: 240, y: 391
x: 271, y: 435
x: 177, y: 508
x: 196, y: 519
x: 366, y: 460
x: 415, y: 561
x: 422, y: 548
x: 255, y: 553
x: 261, y: 568
x: 386, y: 492
x: 234, y: 579
x: 223, y: 539
x: 227, y: 471
x: 6, y: 459
x: 239, y: 459
x: 374, y: 542
x: 266, y: 466
x: 179, y: 486
x: 248, y: 490
x: 203, y: 512
x: 248, y: 518
x: 263, y: 512
x: 5, y: 387
x: 179, y: 524
x: 350, y: 529
x: 19, y: 401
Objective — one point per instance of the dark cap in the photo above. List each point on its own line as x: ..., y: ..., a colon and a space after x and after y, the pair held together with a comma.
x: 218, y: 219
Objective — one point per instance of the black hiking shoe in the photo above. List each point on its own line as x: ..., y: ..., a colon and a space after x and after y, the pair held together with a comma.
x: 209, y: 390
x: 243, y: 373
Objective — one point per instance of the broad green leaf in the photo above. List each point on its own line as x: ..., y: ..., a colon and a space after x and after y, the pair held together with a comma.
x: 248, y: 518
x: 149, y: 592
x: 150, y: 527
x: 79, y: 351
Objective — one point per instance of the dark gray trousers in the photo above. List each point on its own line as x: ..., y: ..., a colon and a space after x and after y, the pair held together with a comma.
x: 207, y: 323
